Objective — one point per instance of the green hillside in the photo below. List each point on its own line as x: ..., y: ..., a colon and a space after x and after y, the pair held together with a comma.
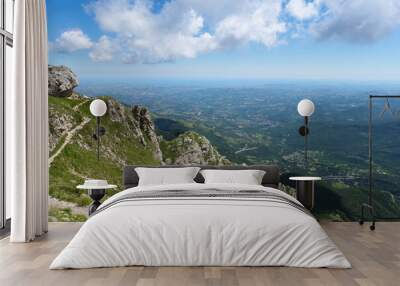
x: 77, y: 161
x: 130, y: 138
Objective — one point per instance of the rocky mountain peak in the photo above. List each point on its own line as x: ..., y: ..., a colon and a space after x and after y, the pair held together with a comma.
x: 191, y: 148
x: 61, y: 81
x: 116, y: 111
x: 145, y: 126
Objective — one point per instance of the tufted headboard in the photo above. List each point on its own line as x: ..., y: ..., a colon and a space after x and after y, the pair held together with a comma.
x: 271, y: 177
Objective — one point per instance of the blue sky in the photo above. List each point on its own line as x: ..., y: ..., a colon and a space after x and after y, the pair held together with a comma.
x: 267, y: 39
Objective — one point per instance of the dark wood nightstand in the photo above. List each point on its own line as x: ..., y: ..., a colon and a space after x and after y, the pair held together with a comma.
x: 305, y: 188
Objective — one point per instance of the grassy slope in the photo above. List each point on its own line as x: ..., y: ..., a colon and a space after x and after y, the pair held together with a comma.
x: 77, y: 162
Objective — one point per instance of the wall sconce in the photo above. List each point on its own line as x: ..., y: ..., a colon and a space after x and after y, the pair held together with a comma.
x: 305, y: 108
x: 98, y: 108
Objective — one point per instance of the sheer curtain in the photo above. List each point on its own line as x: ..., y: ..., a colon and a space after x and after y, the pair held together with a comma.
x: 27, y: 124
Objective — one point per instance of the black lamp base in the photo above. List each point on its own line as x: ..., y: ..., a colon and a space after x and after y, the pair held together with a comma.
x: 96, y: 195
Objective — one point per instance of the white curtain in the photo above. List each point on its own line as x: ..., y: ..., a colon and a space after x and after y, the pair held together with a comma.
x: 27, y: 124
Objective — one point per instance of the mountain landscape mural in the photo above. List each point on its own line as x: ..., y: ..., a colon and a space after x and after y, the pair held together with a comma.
x: 198, y: 82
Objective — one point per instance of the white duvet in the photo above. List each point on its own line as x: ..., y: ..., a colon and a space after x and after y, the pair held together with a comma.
x: 194, y: 231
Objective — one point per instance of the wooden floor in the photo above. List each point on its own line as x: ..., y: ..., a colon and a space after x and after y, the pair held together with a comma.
x: 375, y: 257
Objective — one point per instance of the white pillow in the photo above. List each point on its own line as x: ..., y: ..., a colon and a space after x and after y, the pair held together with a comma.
x: 248, y: 177
x: 165, y: 176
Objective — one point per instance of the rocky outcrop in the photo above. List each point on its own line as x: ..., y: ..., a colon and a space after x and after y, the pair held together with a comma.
x: 62, y: 81
x: 191, y: 148
x: 138, y: 124
x: 59, y: 124
x: 145, y: 124
x: 116, y: 111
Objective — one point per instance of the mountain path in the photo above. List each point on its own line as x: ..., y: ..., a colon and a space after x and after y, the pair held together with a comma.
x: 58, y: 204
x: 68, y: 138
x: 76, y: 107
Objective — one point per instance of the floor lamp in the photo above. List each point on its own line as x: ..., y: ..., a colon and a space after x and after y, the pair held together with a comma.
x: 305, y: 108
x: 369, y: 206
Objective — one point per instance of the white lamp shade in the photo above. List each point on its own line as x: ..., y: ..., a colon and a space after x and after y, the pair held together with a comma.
x: 98, y: 107
x: 305, y: 107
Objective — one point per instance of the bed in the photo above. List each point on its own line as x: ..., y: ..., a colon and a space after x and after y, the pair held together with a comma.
x: 198, y: 224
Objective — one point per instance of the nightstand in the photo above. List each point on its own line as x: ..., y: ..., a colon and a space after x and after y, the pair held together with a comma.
x: 305, y: 188
x: 96, y: 190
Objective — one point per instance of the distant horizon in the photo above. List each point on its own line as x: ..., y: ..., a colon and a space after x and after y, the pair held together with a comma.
x: 236, y: 80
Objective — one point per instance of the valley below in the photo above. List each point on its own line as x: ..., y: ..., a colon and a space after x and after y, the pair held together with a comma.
x: 257, y: 123
x: 155, y: 123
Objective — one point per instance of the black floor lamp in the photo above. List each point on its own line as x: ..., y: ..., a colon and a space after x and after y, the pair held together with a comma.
x: 305, y: 108
x: 98, y: 108
x: 369, y: 206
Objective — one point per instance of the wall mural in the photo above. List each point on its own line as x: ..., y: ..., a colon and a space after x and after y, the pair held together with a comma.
x: 199, y: 82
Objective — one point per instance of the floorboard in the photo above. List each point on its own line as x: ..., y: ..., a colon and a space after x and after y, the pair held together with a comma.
x: 375, y: 257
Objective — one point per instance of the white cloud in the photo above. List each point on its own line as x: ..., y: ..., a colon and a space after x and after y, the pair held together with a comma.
x: 137, y: 32
x: 102, y: 50
x: 186, y: 28
x: 144, y: 36
x: 260, y: 24
x: 357, y: 20
x: 303, y: 10
x: 71, y: 41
